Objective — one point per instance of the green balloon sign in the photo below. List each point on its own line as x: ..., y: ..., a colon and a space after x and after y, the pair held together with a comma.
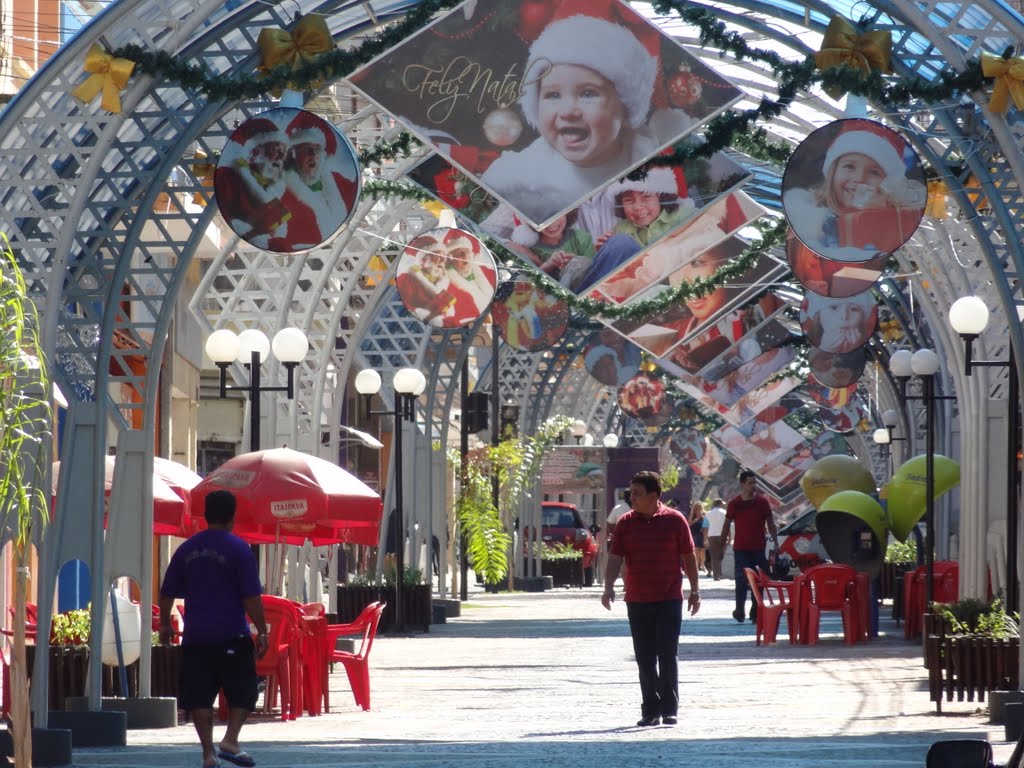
x: 832, y: 474
x: 907, y: 495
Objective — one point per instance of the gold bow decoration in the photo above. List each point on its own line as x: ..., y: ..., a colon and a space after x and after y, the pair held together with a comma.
x: 891, y: 330
x: 107, y: 75
x: 305, y: 42
x: 936, y: 205
x: 842, y: 45
x: 1009, y: 76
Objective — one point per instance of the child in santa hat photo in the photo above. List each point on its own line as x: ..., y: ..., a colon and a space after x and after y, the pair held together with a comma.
x: 588, y: 85
x: 867, y: 199
x: 648, y: 209
x: 249, y: 182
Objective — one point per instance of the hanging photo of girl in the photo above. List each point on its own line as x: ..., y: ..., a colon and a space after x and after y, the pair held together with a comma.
x: 853, y: 190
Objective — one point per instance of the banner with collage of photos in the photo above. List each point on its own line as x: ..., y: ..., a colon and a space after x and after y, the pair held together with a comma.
x: 547, y: 101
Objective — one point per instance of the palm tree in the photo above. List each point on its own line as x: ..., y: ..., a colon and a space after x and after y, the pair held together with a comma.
x: 25, y: 424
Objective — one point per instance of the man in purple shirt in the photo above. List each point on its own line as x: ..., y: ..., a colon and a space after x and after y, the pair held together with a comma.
x: 216, y: 574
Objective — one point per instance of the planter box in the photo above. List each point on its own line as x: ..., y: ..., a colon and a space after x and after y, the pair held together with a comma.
x: 564, y: 572
x: 970, y: 666
x: 417, y: 605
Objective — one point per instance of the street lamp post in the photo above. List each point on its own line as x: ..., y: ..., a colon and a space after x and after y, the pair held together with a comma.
x: 250, y: 348
x: 969, y: 317
x: 408, y: 384
x: 924, y: 364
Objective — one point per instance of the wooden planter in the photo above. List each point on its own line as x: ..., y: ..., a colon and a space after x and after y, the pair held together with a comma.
x: 564, y: 572
x: 69, y: 666
x: 969, y: 666
x: 417, y: 604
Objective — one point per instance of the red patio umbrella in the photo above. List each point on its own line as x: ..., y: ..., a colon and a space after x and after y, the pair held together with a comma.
x: 171, y: 485
x: 289, y: 496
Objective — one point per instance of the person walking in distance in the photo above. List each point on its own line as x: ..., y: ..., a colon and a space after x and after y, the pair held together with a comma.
x: 654, y: 542
x: 216, y: 574
x: 716, y: 541
x: 750, y: 512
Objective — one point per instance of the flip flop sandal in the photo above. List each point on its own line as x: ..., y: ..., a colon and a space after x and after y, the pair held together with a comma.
x: 243, y: 759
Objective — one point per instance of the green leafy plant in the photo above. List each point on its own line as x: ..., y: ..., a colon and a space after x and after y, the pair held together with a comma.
x: 974, y: 616
x: 557, y: 551
x: 669, y: 478
x: 25, y: 437
x: 515, y: 463
x: 71, y: 628
x: 901, y: 552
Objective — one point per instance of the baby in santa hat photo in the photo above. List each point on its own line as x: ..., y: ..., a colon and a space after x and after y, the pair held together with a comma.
x: 587, y: 89
x: 867, y: 200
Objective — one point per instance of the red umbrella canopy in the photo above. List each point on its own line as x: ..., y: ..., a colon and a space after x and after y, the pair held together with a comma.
x: 171, y: 485
x: 290, y: 496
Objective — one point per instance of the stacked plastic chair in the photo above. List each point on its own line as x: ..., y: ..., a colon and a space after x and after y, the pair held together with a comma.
x: 281, y: 663
x: 316, y: 698
x: 945, y: 589
x: 829, y: 587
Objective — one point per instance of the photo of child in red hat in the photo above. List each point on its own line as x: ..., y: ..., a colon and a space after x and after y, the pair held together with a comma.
x: 854, y: 189
x: 547, y: 100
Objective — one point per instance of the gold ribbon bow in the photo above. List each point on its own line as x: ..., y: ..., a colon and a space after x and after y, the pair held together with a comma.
x: 106, y: 74
x: 870, y: 52
x: 1009, y: 75
x: 306, y: 41
x: 936, y: 205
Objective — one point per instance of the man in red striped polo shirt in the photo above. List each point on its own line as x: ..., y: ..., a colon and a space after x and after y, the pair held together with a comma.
x: 655, y: 544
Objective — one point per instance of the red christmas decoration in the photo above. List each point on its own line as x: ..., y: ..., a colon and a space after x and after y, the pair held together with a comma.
x: 684, y: 89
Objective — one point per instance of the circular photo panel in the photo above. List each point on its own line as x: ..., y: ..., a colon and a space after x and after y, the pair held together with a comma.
x: 446, y: 277
x: 642, y: 396
x: 825, y: 277
x: 611, y: 358
x: 708, y: 464
x: 843, y: 419
x: 838, y: 325
x: 287, y: 180
x: 689, y: 445
x: 831, y: 397
x: 663, y: 414
x: 854, y: 189
x: 528, y: 318
x: 836, y: 370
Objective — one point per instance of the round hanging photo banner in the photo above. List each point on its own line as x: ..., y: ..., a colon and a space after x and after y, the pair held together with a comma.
x: 689, y: 445
x: 528, y: 318
x: 825, y: 277
x: 830, y: 397
x: 853, y: 190
x: 708, y: 464
x: 446, y: 277
x: 836, y: 371
x: 287, y: 181
x: 844, y: 419
x: 838, y: 325
x: 611, y: 358
x: 642, y: 396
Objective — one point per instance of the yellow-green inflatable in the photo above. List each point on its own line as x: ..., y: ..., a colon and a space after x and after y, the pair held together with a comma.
x: 831, y: 474
x: 906, y: 492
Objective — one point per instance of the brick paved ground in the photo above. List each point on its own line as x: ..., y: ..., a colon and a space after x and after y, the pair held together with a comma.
x: 549, y: 679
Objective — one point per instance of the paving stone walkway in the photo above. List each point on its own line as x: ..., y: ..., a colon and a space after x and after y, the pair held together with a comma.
x: 549, y: 679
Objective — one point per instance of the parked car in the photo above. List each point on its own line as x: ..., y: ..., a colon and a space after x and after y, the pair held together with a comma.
x: 561, y: 523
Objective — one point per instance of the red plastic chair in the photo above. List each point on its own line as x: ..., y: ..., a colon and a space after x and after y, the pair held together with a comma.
x: 357, y: 664
x: 315, y: 672
x: 829, y: 587
x: 280, y: 664
x: 773, y: 602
